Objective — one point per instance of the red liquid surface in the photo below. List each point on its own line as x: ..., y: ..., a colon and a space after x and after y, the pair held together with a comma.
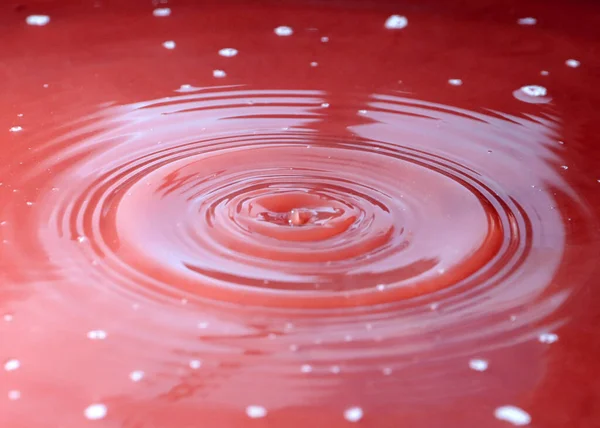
x: 324, y: 228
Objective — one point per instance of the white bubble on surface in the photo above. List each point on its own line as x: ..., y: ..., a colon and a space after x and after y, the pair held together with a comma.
x: 169, y: 44
x: 37, y: 20
x: 478, y: 365
x: 513, y: 415
x: 195, y: 364
x: 527, y: 21
x: 573, y: 63
x: 284, y: 31
x: 228, y: 52
x: 219, y: 74
x: 306, y: 368
x: 256, y: 412
x: 161, y: 12
x: 12, y: 365
x: 16, y: 129
x: 353, y: 414
x: 136, y: 375
x: 548, y: 338
x: 14, y: 395
x: 534, y: 90
x: 455, y: 82
x: 96, y: 335
x: 95, y: 412
x: 396, y: 22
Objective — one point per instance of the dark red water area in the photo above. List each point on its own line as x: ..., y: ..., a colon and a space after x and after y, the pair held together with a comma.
x: 290, y: 214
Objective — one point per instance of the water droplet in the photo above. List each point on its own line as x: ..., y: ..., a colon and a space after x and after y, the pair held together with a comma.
x: 161, y: 12
x: 306, y: 368
x: 564, y: 167
x: 314, y: 64
x: 362, y: 112
x: 195, y: 364
x: 12, y: 365
x: 325, y: 105
x: 219, y: 74
x: 380, y: 287
x: 324, y: 39
x: 534, y: 90
x: 396, y: 22
x: 544, y: 72
x: 284, y: 31
x: 256, y: 412
x: 8, y: 317
x: 527, y: 21
x: 228, y: 52
x: 512, y: 414
x: 16, y: 129
x: 14, y: 395
x: 548, y: 338
x: 573, y: 63
x: 478, y: 365
x: 29, y: 203
x: 169, y: 44
x: 97, y: 335
x: 37, y: 20
x: 455, y: 82
x: 96, y: 412
x: 81, y: 239
x: 353, y: 414
x: 136, y: 375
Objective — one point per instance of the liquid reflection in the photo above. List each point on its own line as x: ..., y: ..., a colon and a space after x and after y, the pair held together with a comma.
x: 171, y: 223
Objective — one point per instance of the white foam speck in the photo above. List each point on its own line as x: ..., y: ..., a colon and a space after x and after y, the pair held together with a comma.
x: 228, y: 52
x: 548, y: 338
x: 8, y: 317
x: 284, y: 31
x: 478, y: 365
x: 195, y: 364
x: 325, y: 105
x: 564, y: 167
x: 14, y: 395
x: 96, y: 412
x: 169, y: 44
x: 387, y: 371
x: 293, y: 347
x: 16, y: 129
x: 396, y: 22
x: 324, y: 39
x: 573, y: 63
x: 534, y: 90
x: 96, y: 335
x: 219, y: 73
x: 353, y: 414
x: 527, y: 21
x: 37, y: 20
x: 335, y: 369
x: 512, y: 414
x: 12, y: 365
x: 202, y: 325
x: 362, y: 112
x: 136, y: 375
x: 81, y: 239
x: 455, y: 82
x: 544, y: 72
x: 161, y: 12
x: 256, y: 412
x: 306, y: 368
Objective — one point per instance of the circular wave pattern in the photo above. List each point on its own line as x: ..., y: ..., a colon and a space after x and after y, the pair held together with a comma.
x: 411, y: 235
x: 284, y: 216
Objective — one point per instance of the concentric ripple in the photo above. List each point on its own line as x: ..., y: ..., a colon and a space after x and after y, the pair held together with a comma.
x: 413, y: 233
